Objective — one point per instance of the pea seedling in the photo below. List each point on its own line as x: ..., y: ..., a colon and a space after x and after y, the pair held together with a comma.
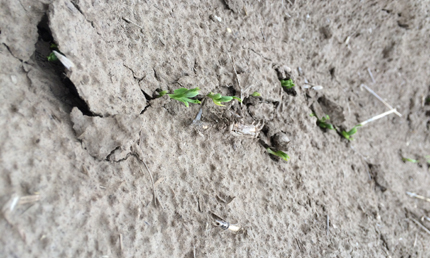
x: 322, y: 123
x: 162, y: 93
x: 280, y: 154
x: 287, y: 83
x: 351, y: 132
x: 184, y: 95
x: 409, y: 160
x: 256, y: 94
x: 218, y: 98
x: 52, y: 57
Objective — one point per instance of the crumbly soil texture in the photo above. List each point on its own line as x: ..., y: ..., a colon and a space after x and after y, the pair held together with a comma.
x: 95, y: 164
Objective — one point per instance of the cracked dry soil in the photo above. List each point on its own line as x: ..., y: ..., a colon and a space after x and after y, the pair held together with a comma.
x: 73, y: 143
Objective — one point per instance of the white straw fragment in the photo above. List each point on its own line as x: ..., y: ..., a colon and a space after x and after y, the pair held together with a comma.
x: 371, y: 75
x: 377, y: 117
x: 317, y: 88
x: 64, y: 60
x: 380, y: 99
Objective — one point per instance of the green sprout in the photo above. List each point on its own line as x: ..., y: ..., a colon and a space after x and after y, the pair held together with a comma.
x: 351, y: 132
x: 184, y: 95
x: 52, y: 57
x: 256, y: 94
x: 428, y: 159
x: 280, y: 154
x: 409, y: 160
x: 322, y: 123
x: 218, y: 98
x: 312, y: 115
x: 162, y: 93
x: 287, y: 83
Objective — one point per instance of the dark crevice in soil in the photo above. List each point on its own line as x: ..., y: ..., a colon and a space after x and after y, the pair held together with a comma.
x: 76, y: 5
x: 146, y: 107
x: 8, y: 49
x: 111, y: 153
x: 69, y: 96
x: 134, y: 76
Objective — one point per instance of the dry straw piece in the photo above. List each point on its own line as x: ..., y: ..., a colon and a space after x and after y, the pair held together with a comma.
x: 225, y: 225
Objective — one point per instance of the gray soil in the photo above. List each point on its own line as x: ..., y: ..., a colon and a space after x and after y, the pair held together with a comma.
x: 92, y: 164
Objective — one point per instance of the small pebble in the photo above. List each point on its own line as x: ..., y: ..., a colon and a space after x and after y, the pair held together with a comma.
x: 13, y: 79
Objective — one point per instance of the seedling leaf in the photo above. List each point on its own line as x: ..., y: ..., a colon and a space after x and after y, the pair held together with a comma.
x: 280, y: 154
x: 287, y: 83
x: 322, y: 123
x: 184, y: 95
x: 52, y: 57
x: 162, y: 93
x: 409, y: 160
x: 351, y: 132
x: 218, y: 98
x: 256, y: 94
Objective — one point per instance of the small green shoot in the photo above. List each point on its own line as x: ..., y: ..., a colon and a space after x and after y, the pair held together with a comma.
x: 280, y: 154
x: 287, y: 83
x: 184, y: 95
x: 322, y: 123
x: 256, y: 94
x: 428, y: 159
x: 52, y: 57
x: 218, y: 98
x: 312, y: 115
x: 162, y: 93
x: 409, y: 160
x: 351, y: 132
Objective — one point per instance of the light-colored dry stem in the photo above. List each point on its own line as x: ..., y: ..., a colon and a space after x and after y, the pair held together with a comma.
x: 380, y: 99
x: 414, y: 195
x: 378, y: 117
x: 420, y: 225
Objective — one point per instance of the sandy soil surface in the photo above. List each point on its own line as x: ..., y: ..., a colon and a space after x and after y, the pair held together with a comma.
x: 93, y: 164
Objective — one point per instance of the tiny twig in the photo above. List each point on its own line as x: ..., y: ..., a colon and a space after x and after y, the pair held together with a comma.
x: 371, y: 75
x: 377, y: 117
x: 135, y: 24
x: 328, y: 224
x: 414, y: 195
x: 237, y: 76
x: 120, y: 242
x: 380, y: 99
x: 152, y: 181
x: 420, y: 225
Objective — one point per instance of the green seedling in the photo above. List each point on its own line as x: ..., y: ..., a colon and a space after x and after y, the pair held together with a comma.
x: 256, y: 94
x: 351, y: 132
x: 162, y: 93
x: 322, y: 123
x: 184, y: 95
x: 287, y: 83
x: 280, y: 154
x: 52, y: 57
x: 428, y: 159
x: 312, y: 115
x: 409, y: 160
x: 218, y: 98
